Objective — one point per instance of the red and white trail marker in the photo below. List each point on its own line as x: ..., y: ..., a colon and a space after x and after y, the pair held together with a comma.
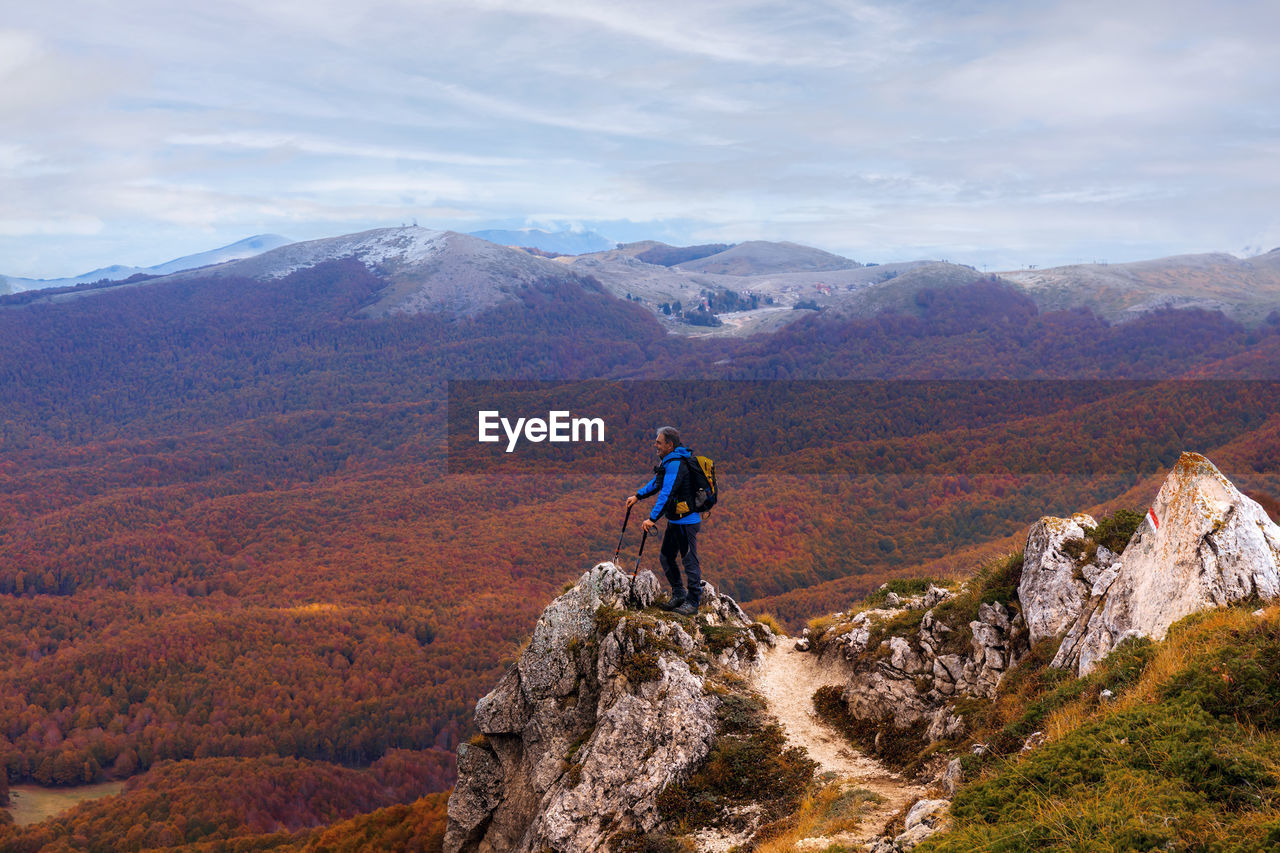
x: 1152, y: 512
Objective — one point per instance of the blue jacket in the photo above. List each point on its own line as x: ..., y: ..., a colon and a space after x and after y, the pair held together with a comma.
x: 664, y: 483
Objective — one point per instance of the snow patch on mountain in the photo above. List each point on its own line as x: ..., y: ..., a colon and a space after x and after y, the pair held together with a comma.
x: 410, y: 246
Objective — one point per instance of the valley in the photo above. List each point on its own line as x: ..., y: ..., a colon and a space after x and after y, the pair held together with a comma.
x: 239, y: 552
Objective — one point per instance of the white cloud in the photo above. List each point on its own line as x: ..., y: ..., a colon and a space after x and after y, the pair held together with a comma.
x: 335, y: 148
x: 883, y: 127
x: 69, y: 225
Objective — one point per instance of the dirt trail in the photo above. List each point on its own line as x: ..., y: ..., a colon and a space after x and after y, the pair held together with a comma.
x: 787, y: 680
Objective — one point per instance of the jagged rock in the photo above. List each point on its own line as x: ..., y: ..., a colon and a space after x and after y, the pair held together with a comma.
x: 802, y: 644
x: 951, y: 777
x: 478, y: 792
x: 903, y: 658
x: 925, y: 812
x: 934, y: 596
x: 719, y: 609
x: 945, y: 723
x: 545, y: 669
x: 1033, y: 741
x: 1103, y: 569
x: 604, y: 708
x: 1052, y: 589
x: 1202, y: 545
x: 906, y: 682
x: 924, y: 819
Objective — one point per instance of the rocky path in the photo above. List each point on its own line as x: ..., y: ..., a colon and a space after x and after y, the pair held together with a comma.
x: 787, y: 680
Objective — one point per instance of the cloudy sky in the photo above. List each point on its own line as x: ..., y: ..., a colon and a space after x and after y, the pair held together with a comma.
x: 992, y: 133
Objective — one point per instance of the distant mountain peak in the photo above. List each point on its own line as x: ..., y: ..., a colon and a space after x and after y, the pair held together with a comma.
x: 760, y: 257
x: 406, y: 245
x: 425, y: 270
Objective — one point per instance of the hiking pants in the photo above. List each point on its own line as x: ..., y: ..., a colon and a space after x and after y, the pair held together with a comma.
x: 682, y: 539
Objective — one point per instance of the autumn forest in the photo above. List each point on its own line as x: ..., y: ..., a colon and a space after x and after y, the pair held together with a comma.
x: 254, y: 564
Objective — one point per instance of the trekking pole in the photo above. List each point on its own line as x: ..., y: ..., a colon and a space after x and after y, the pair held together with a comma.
x: 643, y: 537
x: 631, y: 591
x: 625, y: 519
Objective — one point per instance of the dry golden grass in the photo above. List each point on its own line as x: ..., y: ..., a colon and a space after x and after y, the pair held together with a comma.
x: 827, y: 810
x: 771, y: 622
x: 1175, y: 653
x: 1184, y: 643
x: 1067, y: 719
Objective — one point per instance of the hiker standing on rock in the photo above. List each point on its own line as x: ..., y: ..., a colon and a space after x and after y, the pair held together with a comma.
x: 671, y: 482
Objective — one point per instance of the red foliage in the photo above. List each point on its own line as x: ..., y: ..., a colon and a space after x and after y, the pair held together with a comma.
x: 227, y: 538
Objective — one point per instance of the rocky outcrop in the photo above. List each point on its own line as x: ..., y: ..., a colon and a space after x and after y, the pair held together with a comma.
x: 605, y: 707
x: 1202, y: 544
x: 910, y: 682
x: 1052, y: 588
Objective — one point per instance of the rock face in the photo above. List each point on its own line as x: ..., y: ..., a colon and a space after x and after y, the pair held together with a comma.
x: 604, y: 708
x: 1052, y: 589
x: 1202, y: 545
x: 910, y: 682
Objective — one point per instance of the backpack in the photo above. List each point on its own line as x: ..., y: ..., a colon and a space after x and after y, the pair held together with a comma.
x: 702, y: 484
x: 695, y: 491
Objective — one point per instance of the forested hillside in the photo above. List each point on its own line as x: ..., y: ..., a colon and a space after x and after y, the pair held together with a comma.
x: 237, y: 534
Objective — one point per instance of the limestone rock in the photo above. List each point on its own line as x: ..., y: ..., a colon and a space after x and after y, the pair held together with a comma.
x: 1035, y: 740
x: 1202, y: 545
x: 924, y: 819
x: 605, y: 707
x: 545, y: 668
x: 951, y: 778
x: 910, y: 681
x: 1052, y: 590
x: 925, y: 812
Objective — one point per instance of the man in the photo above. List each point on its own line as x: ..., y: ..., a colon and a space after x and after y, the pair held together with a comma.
x: 671, y: 483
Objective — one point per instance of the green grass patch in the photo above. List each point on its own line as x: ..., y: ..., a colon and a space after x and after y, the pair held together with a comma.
x: 1040, y: 690
x: 996, y: 582
x: 1154, y: 777
x: 905, y: 624
x: 1113, y: 532
x: 1192, y: 762
x: 607, y: 618
x: 1238, y: 680
x: 904, y: 587
x: 722, y: 637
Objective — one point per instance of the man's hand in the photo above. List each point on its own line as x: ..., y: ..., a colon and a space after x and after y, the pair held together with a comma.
x: 631, y: 499
x: 648, y: 525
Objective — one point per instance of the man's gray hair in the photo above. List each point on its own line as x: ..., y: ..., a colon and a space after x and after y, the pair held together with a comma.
x: 671, y: 434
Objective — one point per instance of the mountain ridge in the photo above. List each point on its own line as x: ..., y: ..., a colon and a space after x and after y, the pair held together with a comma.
x: 734, y: 290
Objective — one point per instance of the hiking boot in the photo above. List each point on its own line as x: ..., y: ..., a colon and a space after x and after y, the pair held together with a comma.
x: 674, y: 602
x: 686, y: 608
